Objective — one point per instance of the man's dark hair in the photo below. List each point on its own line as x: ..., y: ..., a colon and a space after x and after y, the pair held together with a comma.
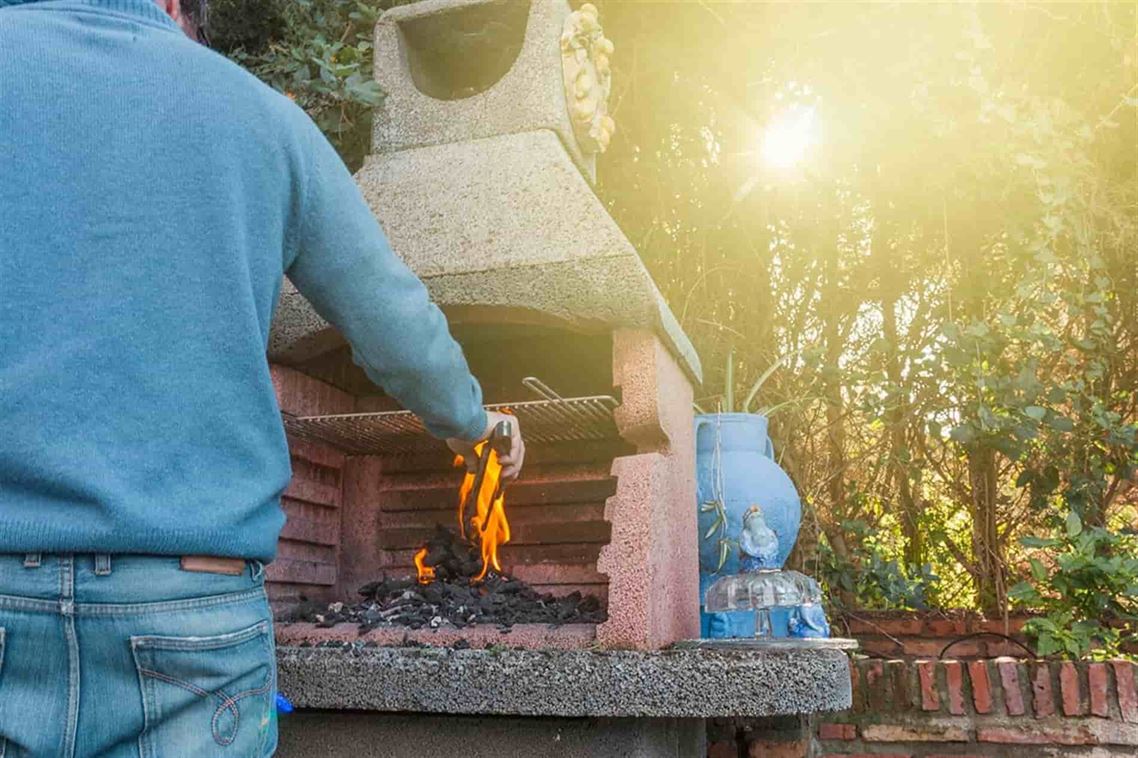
x: 246, y: 25
x: 196, y: 13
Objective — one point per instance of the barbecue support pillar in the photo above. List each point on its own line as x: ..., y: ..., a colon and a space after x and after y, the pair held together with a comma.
x: 361, y: 524
x: 363, y: 735
x: 652, y: 557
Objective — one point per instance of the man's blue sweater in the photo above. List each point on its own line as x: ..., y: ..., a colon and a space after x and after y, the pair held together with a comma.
x: 152, y: 195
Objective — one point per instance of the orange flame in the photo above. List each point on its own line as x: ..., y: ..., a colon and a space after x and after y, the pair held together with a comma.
x: 426, y: 573
x: 464, y: 493
x: 490, y: 528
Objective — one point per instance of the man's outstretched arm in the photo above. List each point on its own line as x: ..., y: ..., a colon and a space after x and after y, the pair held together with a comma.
x: 345, y: 267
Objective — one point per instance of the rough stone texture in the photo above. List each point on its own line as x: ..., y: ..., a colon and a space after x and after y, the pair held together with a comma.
x: 363, y: 735
x: 505, y: 223
x: 298, y: 332
x: 530, y: 96
x: 529, y: 636
x: 651, y: 559
x: 577, y: 683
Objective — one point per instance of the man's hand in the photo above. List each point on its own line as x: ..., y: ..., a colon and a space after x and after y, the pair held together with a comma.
x: 511, y: 463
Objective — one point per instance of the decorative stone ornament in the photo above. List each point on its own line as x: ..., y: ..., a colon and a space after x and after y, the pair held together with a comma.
x: 585, y: 55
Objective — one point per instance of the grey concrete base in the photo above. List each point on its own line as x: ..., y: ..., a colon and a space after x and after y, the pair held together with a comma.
x: 567, y: 683
x: 381, y: 735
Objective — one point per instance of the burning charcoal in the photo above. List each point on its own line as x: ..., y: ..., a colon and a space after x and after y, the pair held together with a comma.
x: 453, y: 599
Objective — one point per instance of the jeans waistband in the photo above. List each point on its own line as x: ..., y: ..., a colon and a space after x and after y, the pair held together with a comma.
x: 118, y: 579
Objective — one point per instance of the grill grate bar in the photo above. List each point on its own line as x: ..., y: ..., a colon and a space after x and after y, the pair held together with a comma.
x: 401, y: 433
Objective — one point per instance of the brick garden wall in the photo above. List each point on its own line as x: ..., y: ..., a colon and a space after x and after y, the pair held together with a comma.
x: 885, y: 634
x: 999, y: 708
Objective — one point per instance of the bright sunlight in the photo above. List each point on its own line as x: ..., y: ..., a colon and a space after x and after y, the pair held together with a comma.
x: 788, y: 136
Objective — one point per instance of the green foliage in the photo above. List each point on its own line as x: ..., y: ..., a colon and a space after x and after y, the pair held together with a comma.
x: 718, y: 529
x: 951, y: 266
x: 1085, y: 582
x: 728, y: 397
x: 875, y: 580
x: 318, y: 52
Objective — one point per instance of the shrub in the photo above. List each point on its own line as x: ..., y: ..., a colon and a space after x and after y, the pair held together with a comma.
x: 1086, y: 584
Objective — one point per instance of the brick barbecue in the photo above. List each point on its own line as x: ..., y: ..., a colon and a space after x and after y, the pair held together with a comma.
x: 483, y: 158
x: 501, y: 222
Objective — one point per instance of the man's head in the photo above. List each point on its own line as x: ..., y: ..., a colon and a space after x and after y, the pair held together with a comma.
x: 191, y: 15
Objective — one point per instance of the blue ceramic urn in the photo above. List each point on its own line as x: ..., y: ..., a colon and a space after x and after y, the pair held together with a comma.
x: 749, y: 511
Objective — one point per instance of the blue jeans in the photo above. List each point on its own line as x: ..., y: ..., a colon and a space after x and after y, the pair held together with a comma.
x: 132, y: 657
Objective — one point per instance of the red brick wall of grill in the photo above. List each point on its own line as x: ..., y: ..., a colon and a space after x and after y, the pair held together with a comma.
x: 308, y: 551
x: 556, y: 513
x: 351, y: 518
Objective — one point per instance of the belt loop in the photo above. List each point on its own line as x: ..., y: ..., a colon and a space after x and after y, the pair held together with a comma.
x: 102, y: 564
x: 33, y: 560
x: 257, y: 570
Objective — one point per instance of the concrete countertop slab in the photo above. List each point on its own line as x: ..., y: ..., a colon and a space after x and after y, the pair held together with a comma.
x: 697, y: 683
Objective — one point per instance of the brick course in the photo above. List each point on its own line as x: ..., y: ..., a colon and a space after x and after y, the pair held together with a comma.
x: 986, y: 701
x: 1001, y: 708
x: 1041, y: 691
x: 1010, y: 685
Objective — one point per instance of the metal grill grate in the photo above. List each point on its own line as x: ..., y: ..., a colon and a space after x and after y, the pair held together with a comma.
x: 401, y: 432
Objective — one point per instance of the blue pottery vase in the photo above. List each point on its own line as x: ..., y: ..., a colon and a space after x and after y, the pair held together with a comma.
x: 735, y: 466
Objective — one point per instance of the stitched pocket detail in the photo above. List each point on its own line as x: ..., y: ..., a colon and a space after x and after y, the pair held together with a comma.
x: 204, y: 696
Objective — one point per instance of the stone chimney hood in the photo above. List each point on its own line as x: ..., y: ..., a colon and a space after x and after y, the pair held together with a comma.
x: 483, y: 158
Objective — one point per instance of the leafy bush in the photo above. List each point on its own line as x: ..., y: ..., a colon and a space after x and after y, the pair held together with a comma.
x: 870, y: 577
x: 318, y: 52
x: 1086, y: 584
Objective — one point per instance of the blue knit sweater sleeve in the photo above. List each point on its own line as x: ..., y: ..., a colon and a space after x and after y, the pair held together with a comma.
x: 345, y: 267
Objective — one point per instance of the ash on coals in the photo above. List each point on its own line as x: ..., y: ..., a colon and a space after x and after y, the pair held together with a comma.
x: 453, y: 599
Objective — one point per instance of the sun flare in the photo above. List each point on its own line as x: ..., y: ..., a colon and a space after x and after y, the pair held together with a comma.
x: 788, y: 137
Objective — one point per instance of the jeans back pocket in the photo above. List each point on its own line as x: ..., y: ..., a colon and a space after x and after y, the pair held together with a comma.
x: 205, y: 696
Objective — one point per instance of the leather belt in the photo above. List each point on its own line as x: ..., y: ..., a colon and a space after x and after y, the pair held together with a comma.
x: 206, y: 564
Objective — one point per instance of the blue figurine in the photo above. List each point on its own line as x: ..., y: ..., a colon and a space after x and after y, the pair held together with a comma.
x: 758, y: 544
x: 809, y: 619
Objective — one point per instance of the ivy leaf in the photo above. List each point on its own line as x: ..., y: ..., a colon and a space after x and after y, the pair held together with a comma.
x: 1047, y: 645
x: 1036, y: 412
